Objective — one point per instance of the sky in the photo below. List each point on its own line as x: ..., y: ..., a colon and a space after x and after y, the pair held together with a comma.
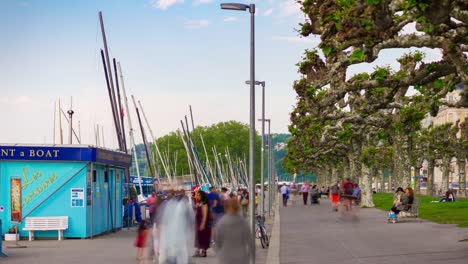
x: 174, y: 53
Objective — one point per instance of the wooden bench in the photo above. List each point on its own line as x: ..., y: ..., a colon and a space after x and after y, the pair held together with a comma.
x: 46, y: 223
x: 413, y: 212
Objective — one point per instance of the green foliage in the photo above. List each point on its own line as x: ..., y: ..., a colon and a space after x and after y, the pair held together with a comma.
x: 327, y: 50
x: 374, y: 2
x: 381, y: 73
x: 378, y: 92
x: 231, y: 135
x: 346, y: 134
x: 369, y: 156
x: 438, y: 85
x: 344, y: 4
x: 306, y: 29
x: 415, y: 56
x: 442, y: 213
x: 357, y: 55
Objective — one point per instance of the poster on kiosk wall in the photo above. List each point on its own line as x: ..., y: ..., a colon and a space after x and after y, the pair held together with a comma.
x: 15, y: 193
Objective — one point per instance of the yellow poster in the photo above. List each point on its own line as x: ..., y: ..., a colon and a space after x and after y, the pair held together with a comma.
x: 15, y: 190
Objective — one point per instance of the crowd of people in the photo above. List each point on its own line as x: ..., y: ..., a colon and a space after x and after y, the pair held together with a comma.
x: 181, y: 227
x: 349, y: 193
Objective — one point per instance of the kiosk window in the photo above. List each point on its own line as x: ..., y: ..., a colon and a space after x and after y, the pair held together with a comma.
x: 94, y: 175
x: 106, y: 176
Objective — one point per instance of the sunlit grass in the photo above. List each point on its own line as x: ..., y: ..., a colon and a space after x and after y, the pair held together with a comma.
x: 443, y: 213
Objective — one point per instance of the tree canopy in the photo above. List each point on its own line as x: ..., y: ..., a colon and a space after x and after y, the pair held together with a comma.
x: 351, y: 121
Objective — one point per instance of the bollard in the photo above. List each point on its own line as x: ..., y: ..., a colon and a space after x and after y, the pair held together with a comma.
x: 1, y: 240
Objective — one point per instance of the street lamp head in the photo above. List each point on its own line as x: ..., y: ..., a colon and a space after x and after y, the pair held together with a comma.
x: 235, y: 6
x: 262, y: 83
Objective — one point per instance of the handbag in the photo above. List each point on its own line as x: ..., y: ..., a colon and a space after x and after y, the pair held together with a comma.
x: 244, y: 201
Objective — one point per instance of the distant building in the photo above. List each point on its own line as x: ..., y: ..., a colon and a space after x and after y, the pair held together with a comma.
x: 279, y: 146
x: 449, y: 114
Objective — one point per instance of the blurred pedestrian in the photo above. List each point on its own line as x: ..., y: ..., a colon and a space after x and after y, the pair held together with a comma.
x: 285, y: 193
x: 335, y: 192
x: 293, y: 193
x: 140, y: 241
x: 203, y: 230
x: 305, y: 192
x: 233, y: 243
x: 244, y: 202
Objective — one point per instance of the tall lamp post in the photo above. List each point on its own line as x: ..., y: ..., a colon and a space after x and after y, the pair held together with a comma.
x: 251, y: 8
x: 262, y: 153
x: 269, y: 169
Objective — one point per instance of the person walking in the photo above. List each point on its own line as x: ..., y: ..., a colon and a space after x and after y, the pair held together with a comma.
x: 233, y: 243
x: 293, y: 193
x: 305, y: 192
x: 140, y: 241
x: 151, y: 203
x: 285, y: 193
x: 335, y: 193
x: 244, y: 201
x: 202, y: 218
x: 177, y: 232
x: 348, y: 190
x: 314, y: 194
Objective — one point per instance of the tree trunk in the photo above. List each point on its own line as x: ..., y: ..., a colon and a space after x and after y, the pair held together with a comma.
x: 445, y: 168
x: 366, y: 187
x: 341, y: 170
x: 381, y: 177
x: 334, y: 176
x: 390, y: 180
x: 461, y: 177
x: 430, y: 177
x: 351, y: 173
x: 354, y: 161
x: 417, y: 186
x: 402, y: 158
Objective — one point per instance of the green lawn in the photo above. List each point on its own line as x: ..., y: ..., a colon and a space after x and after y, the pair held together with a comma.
x: 443, y: 213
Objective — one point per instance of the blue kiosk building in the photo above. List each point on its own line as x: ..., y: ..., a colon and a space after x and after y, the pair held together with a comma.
x: 84, y: 183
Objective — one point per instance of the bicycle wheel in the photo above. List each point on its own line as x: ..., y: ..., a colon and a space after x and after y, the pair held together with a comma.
x: 262, y: 237
x: 267, y: 239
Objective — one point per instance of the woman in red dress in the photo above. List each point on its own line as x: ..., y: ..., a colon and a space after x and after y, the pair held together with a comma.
x: 203, y: 225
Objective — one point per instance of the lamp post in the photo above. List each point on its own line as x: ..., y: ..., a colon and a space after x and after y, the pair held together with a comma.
x: 262, y: 166
x: 251, y: 8
x: 270, y: 180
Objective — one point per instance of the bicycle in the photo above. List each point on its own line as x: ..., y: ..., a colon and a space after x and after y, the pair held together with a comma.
x: 261, y: 232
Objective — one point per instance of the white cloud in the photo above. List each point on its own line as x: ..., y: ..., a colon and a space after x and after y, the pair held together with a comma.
x: 199, y: 2
x: 196, y: 23
x: 290, y: 8
x: 165, y: 4
x: 268, y: 12
x: 296, y: 39
x: 230, y: 19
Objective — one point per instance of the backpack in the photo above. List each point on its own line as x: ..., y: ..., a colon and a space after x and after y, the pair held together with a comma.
x: 334, y: 189
x: 349, y: 189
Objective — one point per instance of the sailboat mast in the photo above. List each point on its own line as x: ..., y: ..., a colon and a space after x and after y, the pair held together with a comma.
x: 131, y: 132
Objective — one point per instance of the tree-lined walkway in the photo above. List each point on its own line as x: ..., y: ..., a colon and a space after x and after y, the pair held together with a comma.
x: 315, y: 234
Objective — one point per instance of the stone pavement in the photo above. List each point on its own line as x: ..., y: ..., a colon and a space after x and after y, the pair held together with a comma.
x: 301, y: 234
x: 314, y: 234
x: 115, y: 248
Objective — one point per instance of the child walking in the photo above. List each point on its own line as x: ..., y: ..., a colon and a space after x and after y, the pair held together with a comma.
x: 140, y: 242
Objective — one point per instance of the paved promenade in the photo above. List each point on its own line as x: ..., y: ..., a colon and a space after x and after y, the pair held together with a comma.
x: 301, y: 234
x: 113, y: 248
x: 314, y: 234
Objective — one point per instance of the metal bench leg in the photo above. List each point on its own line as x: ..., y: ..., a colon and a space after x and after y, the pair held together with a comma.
x: 60, y: 235
x: 31, y: 235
